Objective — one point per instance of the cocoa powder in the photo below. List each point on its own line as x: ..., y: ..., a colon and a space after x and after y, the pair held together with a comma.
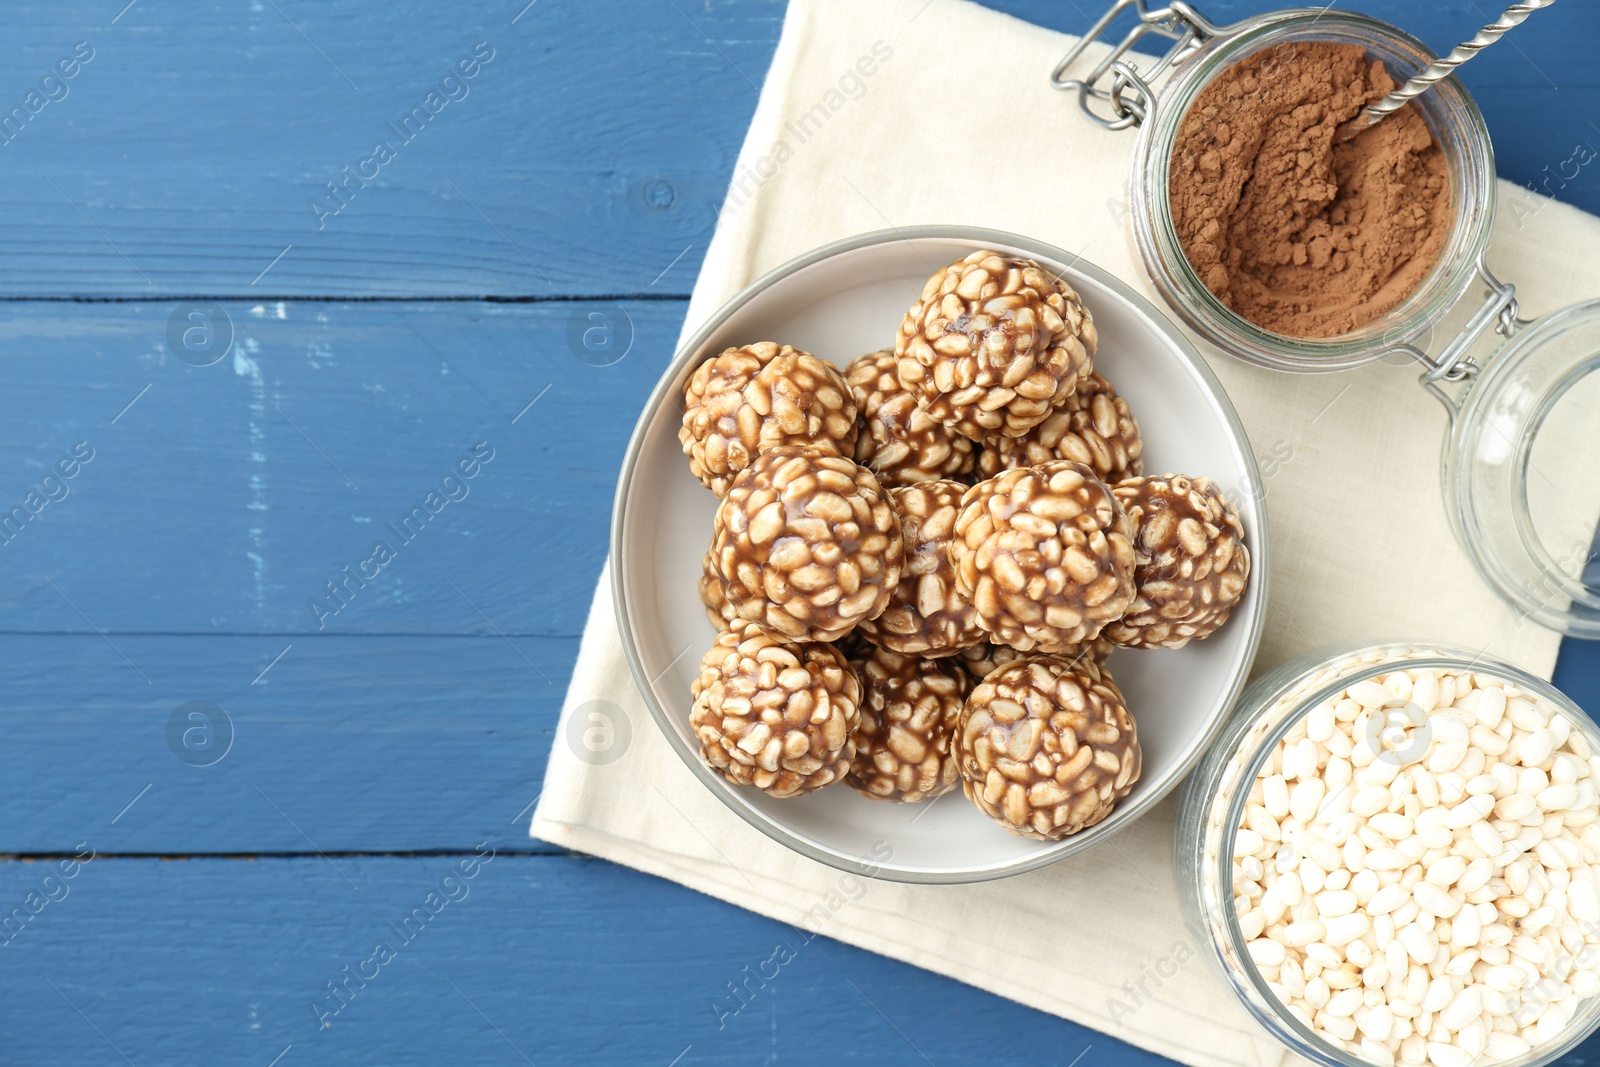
x: 1297, y: 234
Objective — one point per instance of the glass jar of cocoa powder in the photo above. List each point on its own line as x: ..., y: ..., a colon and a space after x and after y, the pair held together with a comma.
x: 1457, y: 128
x: 1524, y: 409
x: 1390, y: 854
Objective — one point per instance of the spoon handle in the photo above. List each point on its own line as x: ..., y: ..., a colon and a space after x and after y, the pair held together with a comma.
x: 1441, y: 68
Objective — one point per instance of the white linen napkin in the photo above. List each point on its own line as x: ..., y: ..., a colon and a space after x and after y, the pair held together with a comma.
x: 879, y: 114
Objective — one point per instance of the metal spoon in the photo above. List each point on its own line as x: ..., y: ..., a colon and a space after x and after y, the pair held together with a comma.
x: 1440, y: 68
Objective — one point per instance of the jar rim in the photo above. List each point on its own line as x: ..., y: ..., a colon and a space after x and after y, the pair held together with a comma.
x: 1254, y: 705
x: 1447, y: 107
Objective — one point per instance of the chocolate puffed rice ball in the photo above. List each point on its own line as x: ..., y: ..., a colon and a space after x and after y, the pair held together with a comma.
x: 899, y: 441
x: 909, y: 707
x: 775, y: 715
x: 750, y: 398
x: 1047, y: 749
x: 926, y: 615
x: 1045, y: 556
x: 1094, y: 427
x: 1193, y: 566
x: 713, y: 594
x: 993, y: 345
x: 982, y: 660
x: 806, y: 544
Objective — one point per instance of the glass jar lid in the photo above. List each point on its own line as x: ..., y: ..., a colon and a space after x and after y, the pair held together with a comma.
x: 1522, y: 470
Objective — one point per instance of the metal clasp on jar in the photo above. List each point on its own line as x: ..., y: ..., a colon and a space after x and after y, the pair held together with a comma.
x: 1129, y: 93
x: 1453, y: 364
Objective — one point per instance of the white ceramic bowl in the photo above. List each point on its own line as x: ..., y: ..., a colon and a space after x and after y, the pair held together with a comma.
x: 839, y: 302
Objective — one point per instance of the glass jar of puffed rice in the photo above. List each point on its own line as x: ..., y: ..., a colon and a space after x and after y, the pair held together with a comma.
x: 1394, y: 855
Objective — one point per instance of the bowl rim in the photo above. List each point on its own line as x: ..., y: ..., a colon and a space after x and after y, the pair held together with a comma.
x: 979, y: 237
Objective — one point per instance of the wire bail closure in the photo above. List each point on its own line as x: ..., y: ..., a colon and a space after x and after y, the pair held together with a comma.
x: 1453, y: 364
x: 1129, y: 94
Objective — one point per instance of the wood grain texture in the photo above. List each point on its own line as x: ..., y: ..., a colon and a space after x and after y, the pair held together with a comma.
x: 227, y: 496
x: 185, y: 155
x: 346, y: 744
x: 545, y: 960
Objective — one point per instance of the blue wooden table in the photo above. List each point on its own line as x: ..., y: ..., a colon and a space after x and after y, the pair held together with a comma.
x: 242, y: 344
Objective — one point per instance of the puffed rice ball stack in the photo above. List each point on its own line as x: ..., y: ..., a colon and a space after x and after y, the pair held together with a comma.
x: 909, y: 708
x: 774, y: 715
x: 750, y: 398
x: 994, y: 344
x: 1416, y: 874
x: 979, y: 617
x: 1047, y: 748
x: 806, y: 544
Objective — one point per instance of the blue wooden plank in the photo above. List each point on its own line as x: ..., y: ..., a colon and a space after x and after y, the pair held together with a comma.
x: 536, y: 959
x: 554, y: 170
x: 224, y: 498
x: 332, y: 742
x: 532, y: 959
x: 577, y: 162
